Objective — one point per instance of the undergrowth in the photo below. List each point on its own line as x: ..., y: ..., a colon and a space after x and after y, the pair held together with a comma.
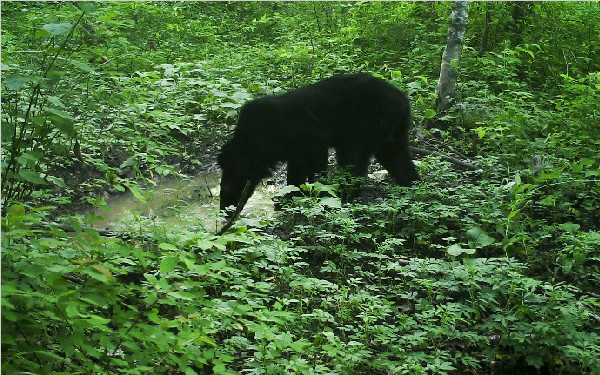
x: 487, y: 271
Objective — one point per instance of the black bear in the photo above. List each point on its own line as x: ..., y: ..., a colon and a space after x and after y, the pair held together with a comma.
x: 358, y: 115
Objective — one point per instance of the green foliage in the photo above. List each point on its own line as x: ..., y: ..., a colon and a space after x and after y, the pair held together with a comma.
x: 185, y: 301
x: 34, y: 124
x: 467, y: 221
x: 492, y: 271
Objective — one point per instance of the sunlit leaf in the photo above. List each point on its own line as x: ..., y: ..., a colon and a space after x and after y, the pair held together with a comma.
x: 56, y: 29
x: 103, y: 270
x: 331, y: 202
x: 205, y: 244
x: 455, y: 250
x: 16, y: 210
x: 167, y: 246
x: 286, y: 190
x: 168, y: 264
x: 429, y: 113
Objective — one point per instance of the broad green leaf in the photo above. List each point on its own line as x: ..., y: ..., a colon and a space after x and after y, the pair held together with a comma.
x: 61, y: 268
x: 7, y: 130
x: 72, y: 310
x: 331, y: 189
x: 429, y: 113
x: 6, y: 305
x: 416, y: 85
x: 103, y: 270
x: 16, y: 210
x: 219, y: 367
x: 480, y: 132
x: 86, y: 6
x: 286, y: 190
x: 455, y: 250
x: 58, y: 181
x: 29, y: 158
x: 189, y: 263
x: 98, y: 321
x: 75, y: 224
x: 479, y: 238
x: 62, y: 120
x: 331, y: 202
x: 51, y: 79
x: 81, y: 65
x: 207, y: 340
x: 181, y: 295
x: 168, y: 264
x: 167, y: 246
x: 64, y: 125
x: 50, y: 243
x: 205, y: 244
x: 16, y: 82
x: 55, y: 101
x: 552, y: 175
x: 569, y: 227
x: 202, y: 269
x: 32, y: 176
x: 513, y: 214
x: 131, y: 161
x: 56, y: 29
x: 137, y: 194
x: 241, y: 96
x: 60, y: 113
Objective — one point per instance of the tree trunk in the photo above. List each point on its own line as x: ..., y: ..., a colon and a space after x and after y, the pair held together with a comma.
x: 486, y: 31
x: 520, y: 10
x: 446, y: 88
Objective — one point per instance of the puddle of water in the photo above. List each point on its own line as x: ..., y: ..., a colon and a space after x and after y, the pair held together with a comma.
x: 177, y: 202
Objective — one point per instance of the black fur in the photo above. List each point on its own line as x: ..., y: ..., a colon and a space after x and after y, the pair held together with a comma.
x: 358, y: 115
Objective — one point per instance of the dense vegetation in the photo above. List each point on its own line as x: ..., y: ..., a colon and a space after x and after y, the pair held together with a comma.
x: 495, y: 270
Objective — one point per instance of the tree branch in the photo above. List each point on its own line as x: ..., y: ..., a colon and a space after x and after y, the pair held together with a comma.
x: 460, y: 163
x: 238, y: 209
